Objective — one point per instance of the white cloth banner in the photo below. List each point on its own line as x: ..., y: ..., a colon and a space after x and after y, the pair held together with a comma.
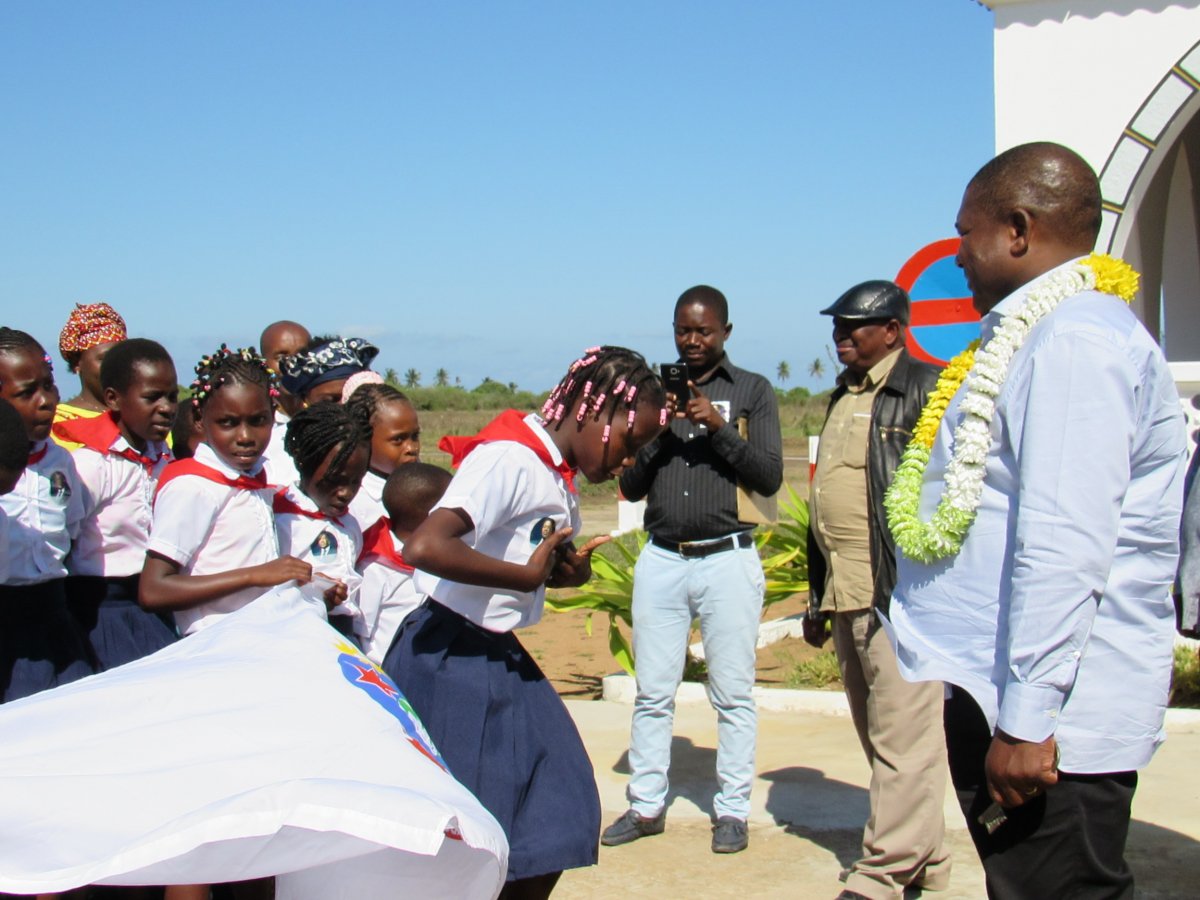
x: 263, y: 745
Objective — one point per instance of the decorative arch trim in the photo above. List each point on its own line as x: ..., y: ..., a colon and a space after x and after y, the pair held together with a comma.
x: 1123, y: 170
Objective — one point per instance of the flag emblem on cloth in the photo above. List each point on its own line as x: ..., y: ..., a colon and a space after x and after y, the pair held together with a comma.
x: 365, y: 674
x: 264, y: 744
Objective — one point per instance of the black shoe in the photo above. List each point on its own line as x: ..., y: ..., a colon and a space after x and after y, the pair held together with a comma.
x: 852, y: 895
x: 730, y: 835
x: 631, y: 826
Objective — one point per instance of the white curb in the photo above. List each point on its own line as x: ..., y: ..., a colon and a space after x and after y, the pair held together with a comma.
x: 621, y: 688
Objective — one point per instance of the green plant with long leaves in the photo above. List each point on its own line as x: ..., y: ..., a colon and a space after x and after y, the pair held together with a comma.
x: 783, y: 549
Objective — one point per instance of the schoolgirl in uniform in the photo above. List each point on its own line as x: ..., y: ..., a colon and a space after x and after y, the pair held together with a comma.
x: 122, y: 454
x: 483, y: 559
x: 212, y: 541
x: 330, y: 446
x: 91, y: 331
x: 40, y: 644
x: 395, y: 441
x: 387, y: 594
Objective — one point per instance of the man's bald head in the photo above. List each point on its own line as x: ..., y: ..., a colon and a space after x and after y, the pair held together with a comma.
x: 280, y: 339
x: 1053, y: 183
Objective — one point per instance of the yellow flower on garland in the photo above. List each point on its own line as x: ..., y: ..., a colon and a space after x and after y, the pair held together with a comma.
x: 1113, y: 276
x: 947, y: 386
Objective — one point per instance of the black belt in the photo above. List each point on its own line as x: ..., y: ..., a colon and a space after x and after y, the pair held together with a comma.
x: 701, y: 549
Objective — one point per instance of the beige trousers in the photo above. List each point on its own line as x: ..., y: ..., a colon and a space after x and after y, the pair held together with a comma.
x: 900, y: 726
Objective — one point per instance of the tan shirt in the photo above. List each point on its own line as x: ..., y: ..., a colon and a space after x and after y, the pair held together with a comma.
x: 838, y: 501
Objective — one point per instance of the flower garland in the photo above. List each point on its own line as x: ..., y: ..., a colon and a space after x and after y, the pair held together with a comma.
x: 984, y: 370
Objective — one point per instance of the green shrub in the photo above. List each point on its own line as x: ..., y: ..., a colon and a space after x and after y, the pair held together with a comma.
x: 783, y: 549
x: 1185, y: 684
x: 820, y: 671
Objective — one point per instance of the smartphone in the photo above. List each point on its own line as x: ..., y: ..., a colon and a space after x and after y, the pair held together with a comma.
x: 675, y: 381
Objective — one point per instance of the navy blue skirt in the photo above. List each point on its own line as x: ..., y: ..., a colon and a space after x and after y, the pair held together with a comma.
x: 505, y: 735
x: 40, y: 644
x: 117, y: 630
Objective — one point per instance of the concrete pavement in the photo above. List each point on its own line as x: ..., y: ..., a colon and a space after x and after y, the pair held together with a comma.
x: 809, y: 805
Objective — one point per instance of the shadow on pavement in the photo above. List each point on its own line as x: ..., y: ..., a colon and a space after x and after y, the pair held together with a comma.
x: 829, y: 813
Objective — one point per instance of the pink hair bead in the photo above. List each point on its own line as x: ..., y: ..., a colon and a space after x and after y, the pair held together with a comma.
x: 620, y: 386
x: 558, y: 412
x: 581, y: 413
x: 604, y: 435
x: 629, y: 419
x: 662, y: 416
x: 590, y: 350
x: 587, y: 390
x: 630, y: 395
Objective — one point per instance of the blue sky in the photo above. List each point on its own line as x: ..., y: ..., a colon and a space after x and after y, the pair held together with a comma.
x: 484, y: 187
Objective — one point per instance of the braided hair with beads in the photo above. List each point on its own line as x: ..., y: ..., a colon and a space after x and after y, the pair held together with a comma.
x: 225, y: 366
x: 605, y: 379
x: 316, y: 430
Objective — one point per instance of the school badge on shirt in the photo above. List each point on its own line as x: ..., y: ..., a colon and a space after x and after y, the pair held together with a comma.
x: 325, y: 545
x: 59, y: 489
x: 542, y: 529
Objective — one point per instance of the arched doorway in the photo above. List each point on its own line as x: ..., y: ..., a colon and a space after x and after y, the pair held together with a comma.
x: 1151, y: 187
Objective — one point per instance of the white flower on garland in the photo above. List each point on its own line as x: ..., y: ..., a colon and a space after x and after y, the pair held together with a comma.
x: 984, y: 371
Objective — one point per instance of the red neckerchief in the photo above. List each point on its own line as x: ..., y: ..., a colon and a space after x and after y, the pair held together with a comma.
x: 182, y: 467
x: 510, y: 425
x: 99, y: 433
x: 378, y: 541
x: 283, y: 504
x: 36, y: 456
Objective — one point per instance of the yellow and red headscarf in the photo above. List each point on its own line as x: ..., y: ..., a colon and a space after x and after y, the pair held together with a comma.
x: 88, y: 325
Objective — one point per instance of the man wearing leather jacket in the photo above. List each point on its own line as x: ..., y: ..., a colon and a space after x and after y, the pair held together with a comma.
x: 852, y: 570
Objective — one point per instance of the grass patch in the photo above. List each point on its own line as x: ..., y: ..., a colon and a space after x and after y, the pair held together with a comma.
x: 1185, y: 684
x: 819, y: 672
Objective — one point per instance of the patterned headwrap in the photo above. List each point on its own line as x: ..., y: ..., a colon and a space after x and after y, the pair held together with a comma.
x: 339, y: 358
x: 88, y: 325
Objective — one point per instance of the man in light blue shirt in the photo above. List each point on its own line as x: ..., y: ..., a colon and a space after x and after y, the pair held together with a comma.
x: 1053, y: 623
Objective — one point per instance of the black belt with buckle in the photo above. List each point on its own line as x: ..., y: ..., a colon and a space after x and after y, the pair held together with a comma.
x: 701, y: 549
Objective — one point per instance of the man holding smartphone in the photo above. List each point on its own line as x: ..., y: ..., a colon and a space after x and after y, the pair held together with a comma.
x: 700, y: 563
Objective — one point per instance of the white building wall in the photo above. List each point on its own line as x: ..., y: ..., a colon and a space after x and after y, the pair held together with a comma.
x: 1077, y: 77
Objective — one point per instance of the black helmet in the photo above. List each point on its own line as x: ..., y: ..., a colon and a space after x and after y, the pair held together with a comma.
x: 871, y: 300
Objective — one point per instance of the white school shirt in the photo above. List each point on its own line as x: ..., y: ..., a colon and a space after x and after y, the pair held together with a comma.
x: 118, y: 506
x: 387, y: 595
x: 281, y: 468
x: 367, y: 505
x: 1056, y: 615
x: 330, y: 546
x: 207, y: 528
x: 43, y: 515
x: 506, y: 490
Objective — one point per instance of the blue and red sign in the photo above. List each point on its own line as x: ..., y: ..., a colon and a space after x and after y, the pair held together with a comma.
x: 943, y: 320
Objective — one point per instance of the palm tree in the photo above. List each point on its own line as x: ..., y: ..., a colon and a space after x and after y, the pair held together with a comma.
x: 390, y: 376
x: 412, y: 378
x: 817, y: 368
x: 783, y: 372
x: 441, y: 378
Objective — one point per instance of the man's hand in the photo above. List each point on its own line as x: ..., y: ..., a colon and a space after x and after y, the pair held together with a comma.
x: 700, y: 410
x: 1017, y: 771
x: 816, y: 629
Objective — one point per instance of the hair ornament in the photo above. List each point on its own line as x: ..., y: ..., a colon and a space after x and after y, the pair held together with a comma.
x: 604, y: 435
x: 662, y: 417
